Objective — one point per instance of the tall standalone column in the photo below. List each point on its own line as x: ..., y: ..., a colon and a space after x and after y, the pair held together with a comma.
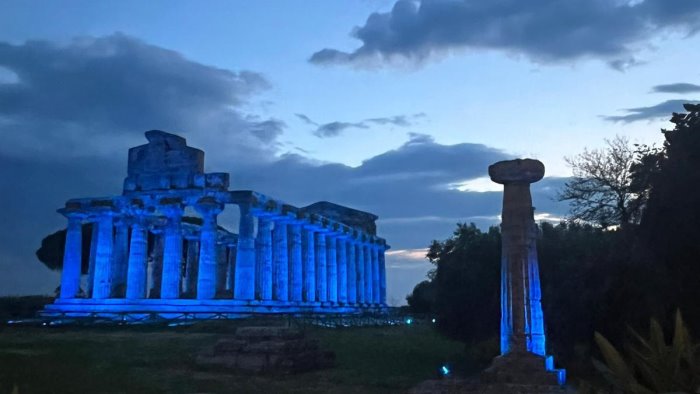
x: 332, y: 267
x: 244, y: 288
x: 321, y: 280
x: 309, y: 253
x: 281, y: 260
x: 72, y: 256
x: 102, y: 287
x: 206, y: 281
x: 136, y: 276
x: 342, y: 260
x: 296, y: 274
x: 352, y: 271
x: 172, y: 251
x: 522, y: 328
x: 374, y: 253
x: 263, y: 259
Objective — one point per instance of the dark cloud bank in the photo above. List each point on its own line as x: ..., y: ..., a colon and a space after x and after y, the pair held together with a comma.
x: 336, y: 128
x: 74, y: 110
x: 659, y: 111
x: 542, y: 30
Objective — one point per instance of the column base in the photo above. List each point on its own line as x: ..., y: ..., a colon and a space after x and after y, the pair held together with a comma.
x: 524, y: 368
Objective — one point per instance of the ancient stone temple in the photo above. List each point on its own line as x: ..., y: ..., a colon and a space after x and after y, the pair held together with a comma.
x: 523, y: 359
x: 158, y: 249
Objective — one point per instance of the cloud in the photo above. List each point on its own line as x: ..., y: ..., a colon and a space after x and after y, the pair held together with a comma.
x: 79, y: 150
x: 99, y: 94
x: 655, y: 112
x: 306, y: 119
x: 336, y: 128
x: 542, y: 30
x: 676, y: 88
x: 268, y: 130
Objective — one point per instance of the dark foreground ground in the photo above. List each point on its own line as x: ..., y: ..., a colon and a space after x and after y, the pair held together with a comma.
x: 154, y: 359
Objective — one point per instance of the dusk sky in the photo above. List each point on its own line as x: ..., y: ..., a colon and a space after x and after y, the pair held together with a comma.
x: 396, y: 108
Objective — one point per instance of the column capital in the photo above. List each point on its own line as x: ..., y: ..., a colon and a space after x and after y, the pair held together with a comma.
x: 171, y: 207
x: 73, y: 213
x: 209, y: 206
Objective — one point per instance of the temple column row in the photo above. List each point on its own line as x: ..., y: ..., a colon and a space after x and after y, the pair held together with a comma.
x: 286, y: 260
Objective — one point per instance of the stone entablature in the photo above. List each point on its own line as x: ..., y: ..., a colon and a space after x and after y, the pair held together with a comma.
x: 283, y: 259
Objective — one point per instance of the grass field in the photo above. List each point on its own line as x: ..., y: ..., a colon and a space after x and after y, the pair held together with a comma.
x: 146, y: 359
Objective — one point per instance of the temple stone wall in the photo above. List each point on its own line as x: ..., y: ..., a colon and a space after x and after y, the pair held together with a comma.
x: 148, y: 257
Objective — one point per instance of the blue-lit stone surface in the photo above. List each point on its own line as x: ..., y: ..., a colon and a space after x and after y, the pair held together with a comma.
x: 522, y: 334
x: 158, y: 248
x: 72, y: 259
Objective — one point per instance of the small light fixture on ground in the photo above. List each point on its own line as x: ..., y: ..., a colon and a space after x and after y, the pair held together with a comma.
x: 433, y: 320
x: 409, y: 321
x: 445, y: 370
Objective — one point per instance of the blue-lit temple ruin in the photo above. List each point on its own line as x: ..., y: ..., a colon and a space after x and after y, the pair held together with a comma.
x: 158, y: 249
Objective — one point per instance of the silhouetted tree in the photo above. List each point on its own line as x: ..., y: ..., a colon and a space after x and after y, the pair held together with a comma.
x: 465, y: 284
x: 50, y: 253
x: 422, y: 299
x: 669, y: 237
x: 600, y: 191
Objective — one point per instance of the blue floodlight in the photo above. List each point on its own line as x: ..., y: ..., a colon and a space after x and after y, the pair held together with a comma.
x: 433, y: 320
x: 409, y: 321
x: 445, y: 370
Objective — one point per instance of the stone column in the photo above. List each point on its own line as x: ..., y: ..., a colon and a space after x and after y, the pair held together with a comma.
x: 156, y: 262
x: 102, y: 287
x: 309, y: 265
x: 382, y: 275
x: 222, y: 269
x: 93, y: 256
x: 192, y: 267
x: 374, y: 252
x: 172, y: 251
x: 366, y: 247
x: 352, y: 271
x: 521, y: 312
x: 231, y: 265
x: 244, y: 288
x: 342, y: 260
x: 332, y: 267
x: 136, y: 277
x: 296, y: 274
x: 263, y: 255
x: 120, y: 257
x: 208, y: 207
x: 72, y: 256
x: 281, y: 260
x: 360, y: 269
x: 321, y: 279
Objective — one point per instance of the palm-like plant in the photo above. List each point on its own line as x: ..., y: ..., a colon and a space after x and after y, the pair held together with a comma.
x: 651, y: 365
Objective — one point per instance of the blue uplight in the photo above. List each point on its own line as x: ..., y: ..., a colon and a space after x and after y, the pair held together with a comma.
x: 445, y: 370
x: 433, y: 320
x: 409, y: 321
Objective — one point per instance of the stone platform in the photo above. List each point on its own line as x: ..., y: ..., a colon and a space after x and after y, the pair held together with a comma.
x: 118, y: 308
x: 270, y: 350
x: 523, y: 368
x: 460, y: 386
